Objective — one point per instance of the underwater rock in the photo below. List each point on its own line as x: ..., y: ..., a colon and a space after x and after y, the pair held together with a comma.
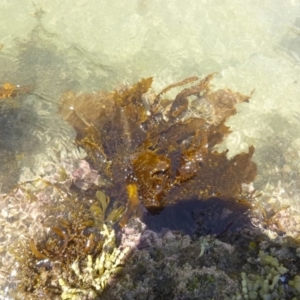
x: 171, y: 265
x: 158, y: 151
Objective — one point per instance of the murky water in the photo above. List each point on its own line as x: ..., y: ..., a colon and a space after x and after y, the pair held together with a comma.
x: 53, y: 46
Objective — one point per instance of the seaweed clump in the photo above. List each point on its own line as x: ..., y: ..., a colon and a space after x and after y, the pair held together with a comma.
x: 72, y: 254
x: 9, y: 90
x: 156, y: 150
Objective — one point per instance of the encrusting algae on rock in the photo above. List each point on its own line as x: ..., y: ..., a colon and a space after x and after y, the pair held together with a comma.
x: 242, y: 266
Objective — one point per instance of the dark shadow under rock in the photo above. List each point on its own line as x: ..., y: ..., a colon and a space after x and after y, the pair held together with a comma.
x: 212, y: 216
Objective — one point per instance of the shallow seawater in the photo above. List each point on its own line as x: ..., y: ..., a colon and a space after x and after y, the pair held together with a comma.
x: 51, y: 47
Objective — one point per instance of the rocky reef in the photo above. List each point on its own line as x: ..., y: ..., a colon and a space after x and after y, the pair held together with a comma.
x: 243, y: 265
x: 153, y: 212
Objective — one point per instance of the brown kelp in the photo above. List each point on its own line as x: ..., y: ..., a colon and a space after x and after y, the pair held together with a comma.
x: 9, y: 90
x: 157, y: 150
